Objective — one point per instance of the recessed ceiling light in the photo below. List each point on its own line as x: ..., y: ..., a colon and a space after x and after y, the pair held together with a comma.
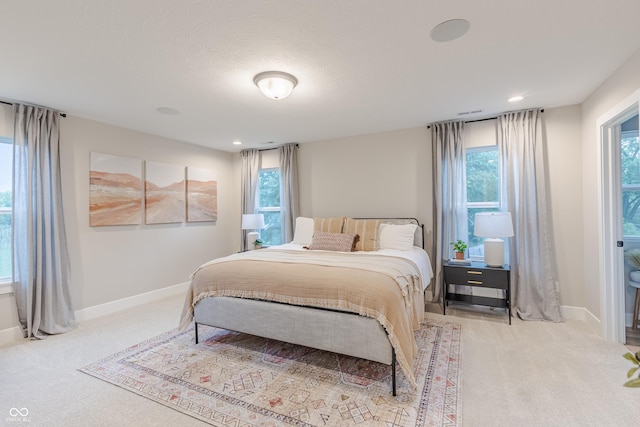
x: 237, y: 143
x: 450, y: 30
x: 515, y: 98
x: 168, y: 111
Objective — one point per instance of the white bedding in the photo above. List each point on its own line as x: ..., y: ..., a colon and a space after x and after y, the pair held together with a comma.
x: 418, y: 256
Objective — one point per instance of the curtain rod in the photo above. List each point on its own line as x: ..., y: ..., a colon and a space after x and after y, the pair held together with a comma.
x: 32, y: 105
x: 483, y: 120
x: 274, y: 148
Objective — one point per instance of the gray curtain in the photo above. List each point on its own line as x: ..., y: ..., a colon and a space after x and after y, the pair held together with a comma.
x: 41, y: 272
x: 522, y: 151
x: 289, y: 191
x: 249, y: 184
x: 449, y: 195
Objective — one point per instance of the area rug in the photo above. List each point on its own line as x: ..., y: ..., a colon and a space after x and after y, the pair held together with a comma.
x: 234, y: 379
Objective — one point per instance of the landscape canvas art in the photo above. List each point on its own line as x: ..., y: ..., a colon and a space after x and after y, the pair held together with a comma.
x: 202, y: 195
x: 164, y: 193
x: 115, y: 190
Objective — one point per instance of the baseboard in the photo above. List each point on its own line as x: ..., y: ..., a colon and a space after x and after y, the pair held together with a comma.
x: 124, y: 303
x: 581, y: 313
x: 11, y: 335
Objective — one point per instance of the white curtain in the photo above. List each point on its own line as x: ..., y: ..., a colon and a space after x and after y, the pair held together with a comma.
x: 289, y: 191
x: 522, y: 151
x: 41, y: 273
x: 449, y: 195
x: 249, y: 184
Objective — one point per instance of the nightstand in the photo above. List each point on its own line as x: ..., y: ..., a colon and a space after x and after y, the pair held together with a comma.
x: 477, y: 275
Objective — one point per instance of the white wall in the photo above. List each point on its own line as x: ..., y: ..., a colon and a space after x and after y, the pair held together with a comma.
x: 381, y: 175
x: 111, y: 263
x: 389, y: 174
x: 563, y: 130
x: 621, y: 84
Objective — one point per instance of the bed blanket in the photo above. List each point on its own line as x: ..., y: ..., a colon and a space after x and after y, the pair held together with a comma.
x: 388, y: 289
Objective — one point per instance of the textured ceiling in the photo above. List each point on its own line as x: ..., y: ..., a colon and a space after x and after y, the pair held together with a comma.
x: 363, y: 66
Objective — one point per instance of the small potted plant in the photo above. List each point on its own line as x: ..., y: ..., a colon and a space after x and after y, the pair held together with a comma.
x: 257, y: 244
x: 459, y: 246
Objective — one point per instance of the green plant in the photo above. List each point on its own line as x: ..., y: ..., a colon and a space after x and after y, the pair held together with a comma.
x: 257, y: 242
x: 633, y: 257
x: 635, y: 359
x: 459, y: 246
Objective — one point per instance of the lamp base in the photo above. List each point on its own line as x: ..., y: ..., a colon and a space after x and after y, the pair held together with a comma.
x: 251, y: 237
x: 494, y: 252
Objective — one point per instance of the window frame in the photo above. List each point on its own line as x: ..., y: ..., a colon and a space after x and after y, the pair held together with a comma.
x: 6, y: 282
x: 268, y: 209
x: 629, y: 187
x: 481, y: 205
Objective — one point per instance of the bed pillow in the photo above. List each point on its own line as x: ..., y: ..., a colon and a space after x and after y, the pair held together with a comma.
x: 331, y: 225
x: 397, y: 236
x: 343, y: 242
x: 367, y: 229
x: 303, y: 233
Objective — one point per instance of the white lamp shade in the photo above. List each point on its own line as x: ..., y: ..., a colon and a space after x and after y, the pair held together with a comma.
x: 493, y: 224
x: 252, y: 221
x: 275, y: 84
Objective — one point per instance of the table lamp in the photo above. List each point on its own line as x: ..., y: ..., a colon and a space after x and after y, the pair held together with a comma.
x: 252, y: 222
x: 493, y: 226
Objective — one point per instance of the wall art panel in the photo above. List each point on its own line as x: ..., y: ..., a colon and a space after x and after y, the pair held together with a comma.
x: 164, y: 193
x: 202, y: 195
x: 115, y: 190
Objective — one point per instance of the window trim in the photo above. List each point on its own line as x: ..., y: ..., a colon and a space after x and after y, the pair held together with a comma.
x: 630, y: 238
x: 260, y: 209
x: 6, y: 282
x: 482, y: 205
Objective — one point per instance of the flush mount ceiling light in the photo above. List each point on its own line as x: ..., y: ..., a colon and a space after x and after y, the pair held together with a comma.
x: 515, y: 98
x: 275, y: 84
x: 450, y: 30
x: 168, y: 111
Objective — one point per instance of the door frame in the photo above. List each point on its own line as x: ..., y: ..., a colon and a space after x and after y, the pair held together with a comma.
x: 612, y: 304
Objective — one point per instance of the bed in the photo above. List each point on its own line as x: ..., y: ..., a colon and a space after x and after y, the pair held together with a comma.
x: 364, y: 303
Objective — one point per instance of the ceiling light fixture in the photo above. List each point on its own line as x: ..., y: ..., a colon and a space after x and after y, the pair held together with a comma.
x: 450, y: 30
x: 275, y: 84
x: 168, y: 111
x: 515, y: 98
x: 237, y: 143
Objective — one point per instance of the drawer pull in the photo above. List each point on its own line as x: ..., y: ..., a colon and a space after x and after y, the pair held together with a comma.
x: 474, y: 272
x: 474, y: 282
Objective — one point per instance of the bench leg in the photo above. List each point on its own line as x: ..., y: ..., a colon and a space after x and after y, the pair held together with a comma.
x: 195, y: 327
x: 635, y: 310
x: 393, y: 371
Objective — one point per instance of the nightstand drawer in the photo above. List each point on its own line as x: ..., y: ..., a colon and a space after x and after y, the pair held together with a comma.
x: 470, y: 276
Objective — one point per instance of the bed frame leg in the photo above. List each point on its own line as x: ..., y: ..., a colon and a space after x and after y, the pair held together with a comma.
x: 393, y: 372
x: 195, y: 327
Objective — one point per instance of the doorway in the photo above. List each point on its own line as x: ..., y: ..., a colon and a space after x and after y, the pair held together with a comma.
x: 613, y: 276
x: 627, y: 137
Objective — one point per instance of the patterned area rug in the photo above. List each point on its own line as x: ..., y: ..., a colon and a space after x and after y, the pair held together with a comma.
x: 234, y: 379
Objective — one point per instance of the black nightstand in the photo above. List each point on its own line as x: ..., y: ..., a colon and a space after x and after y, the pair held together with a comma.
x: 477, y: 274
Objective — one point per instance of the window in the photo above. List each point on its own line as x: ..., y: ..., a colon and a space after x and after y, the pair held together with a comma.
x: 6, y: 180
x: 482, y: 190
x: 269, y: 205
x: 630, y: 162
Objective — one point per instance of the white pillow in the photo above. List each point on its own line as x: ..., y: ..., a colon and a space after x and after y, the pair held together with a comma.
x: 303, y: 233
x: 397, y: 236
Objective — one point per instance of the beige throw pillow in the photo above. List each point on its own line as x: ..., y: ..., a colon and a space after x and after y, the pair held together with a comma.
x: 331, y: 225
x: 367, y: 229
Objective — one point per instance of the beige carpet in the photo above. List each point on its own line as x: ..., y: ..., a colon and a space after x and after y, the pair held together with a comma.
x: 528, y: 374
x: 242, y: 380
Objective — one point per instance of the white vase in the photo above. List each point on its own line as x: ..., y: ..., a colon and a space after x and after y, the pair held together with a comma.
x: 634, y: 276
